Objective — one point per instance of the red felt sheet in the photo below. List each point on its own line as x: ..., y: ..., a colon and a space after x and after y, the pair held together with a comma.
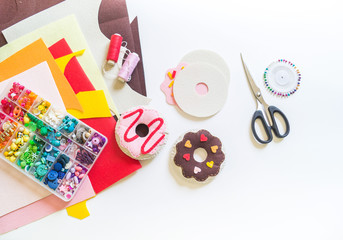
x: 113, y: 164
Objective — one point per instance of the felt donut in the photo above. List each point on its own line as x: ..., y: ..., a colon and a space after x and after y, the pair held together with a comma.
x: 183, y: 155
x: 140, y: 133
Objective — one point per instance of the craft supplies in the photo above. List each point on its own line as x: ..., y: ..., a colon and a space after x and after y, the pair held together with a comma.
x: 31, y: 154
x: 196, y: 167
x: 7, y: 128
x: 114, y: 49
x: 270, y: 124
x: 17, y: 144
x: 58, y: 171
x: 129, y: 65
x: 199, y: 84
x: 54, y: 117
x: 44, y: 142
x: 282, y: 78
x: 15, y: 91
x: 141, y: 133
x: 40, y: 107
x: 110, y: 72
x: 13, y: 110
x: 27, y: 99
x: 72, y: 180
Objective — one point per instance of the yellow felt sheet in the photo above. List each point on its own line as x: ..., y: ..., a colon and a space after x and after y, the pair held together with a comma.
x: 94, y: 105
x: 63, y: 61
x: 78, y: 210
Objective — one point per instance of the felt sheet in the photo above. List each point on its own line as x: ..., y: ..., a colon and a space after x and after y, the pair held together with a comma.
x: 73, y: 71
x: 18, y: 190
x: 123, y: 96
x: 79, y: 210
x: 13, y: 11
x: 43, y: 208
x: 30, y: 56
x: 63, y: 61
x: 94, y: 105
x: 113, y: 164
x: 139, y: 68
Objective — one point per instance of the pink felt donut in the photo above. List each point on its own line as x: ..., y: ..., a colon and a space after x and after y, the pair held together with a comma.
x: 134, y: 143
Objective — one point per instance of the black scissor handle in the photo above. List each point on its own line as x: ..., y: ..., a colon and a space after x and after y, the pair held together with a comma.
x: 259, y: 115
x: 272, y: 110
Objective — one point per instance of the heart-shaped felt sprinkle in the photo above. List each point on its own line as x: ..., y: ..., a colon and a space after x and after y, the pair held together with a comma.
x: 214, y: 148
x: 203, y: 138
x: 188, y: 144
x: 186, y: 156
x: 197, y: 170
x: 210, y: 164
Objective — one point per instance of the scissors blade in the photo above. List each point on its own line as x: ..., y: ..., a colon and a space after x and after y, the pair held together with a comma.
x: 254, y: 88
x: 256, y: 91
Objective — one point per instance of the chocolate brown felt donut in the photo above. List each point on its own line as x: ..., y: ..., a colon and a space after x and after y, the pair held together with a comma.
x: 184, y: 155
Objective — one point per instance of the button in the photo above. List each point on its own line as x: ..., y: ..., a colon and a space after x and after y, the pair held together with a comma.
x: 52, y: 175
x: 53, y: 184
x: 61, y: 175
x: 41, y: 170
x: 48, y: 148
x: 57, y: 166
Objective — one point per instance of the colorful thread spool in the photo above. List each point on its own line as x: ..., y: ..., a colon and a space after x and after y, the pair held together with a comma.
x: 128, y: 67
x: 111, y: 72
x: 114, y: 49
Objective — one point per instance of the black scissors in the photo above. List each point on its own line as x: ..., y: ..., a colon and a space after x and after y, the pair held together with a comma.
x: 261, y: 112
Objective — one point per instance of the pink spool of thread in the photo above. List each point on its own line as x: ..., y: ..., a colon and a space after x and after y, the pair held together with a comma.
x: 128, y: 67
x: 114, y: 49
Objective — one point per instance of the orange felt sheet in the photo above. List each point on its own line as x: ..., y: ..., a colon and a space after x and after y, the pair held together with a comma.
x: 29, y: 57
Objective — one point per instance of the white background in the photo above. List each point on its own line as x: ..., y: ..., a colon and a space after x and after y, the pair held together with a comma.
x: 290, y: 189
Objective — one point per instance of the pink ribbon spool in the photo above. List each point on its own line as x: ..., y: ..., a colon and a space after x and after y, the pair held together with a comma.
x: 128, y: 67
x: 114, y: 49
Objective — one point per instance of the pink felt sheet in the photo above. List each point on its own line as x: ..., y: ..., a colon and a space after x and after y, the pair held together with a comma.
x: 43, y: 208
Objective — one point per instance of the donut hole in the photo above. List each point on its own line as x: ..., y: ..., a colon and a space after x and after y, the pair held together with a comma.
x: 200, y: 154
x: 201, y: 88
x: 142, y: 130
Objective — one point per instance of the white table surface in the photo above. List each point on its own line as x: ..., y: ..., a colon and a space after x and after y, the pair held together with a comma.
x: 290, y: 189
